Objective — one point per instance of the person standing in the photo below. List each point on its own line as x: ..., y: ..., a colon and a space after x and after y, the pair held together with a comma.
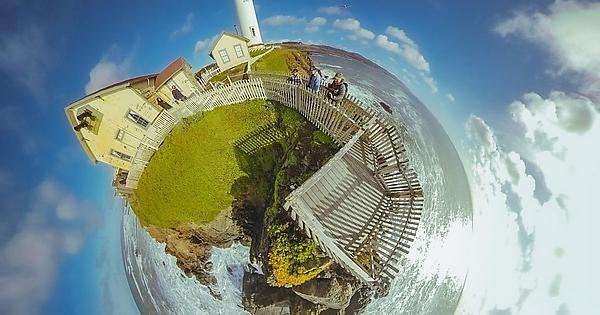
x: 314, y: 83
x: 337, y: 90
x: 177, y: 94
x: 295, y: 78
x: 163, y: 104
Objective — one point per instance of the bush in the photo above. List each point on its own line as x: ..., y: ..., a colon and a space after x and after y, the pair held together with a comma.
x: 293, y: 257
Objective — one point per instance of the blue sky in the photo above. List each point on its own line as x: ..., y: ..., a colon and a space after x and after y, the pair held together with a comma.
x: 60, y: 223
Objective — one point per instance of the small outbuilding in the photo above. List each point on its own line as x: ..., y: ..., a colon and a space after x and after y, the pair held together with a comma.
x: 230, y: 50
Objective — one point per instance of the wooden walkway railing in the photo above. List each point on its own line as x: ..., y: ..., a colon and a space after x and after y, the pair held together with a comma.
x: 362, y: 207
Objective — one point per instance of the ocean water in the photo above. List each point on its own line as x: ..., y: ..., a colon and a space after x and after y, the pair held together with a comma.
x: 160, y: 287
x: 431, y: 276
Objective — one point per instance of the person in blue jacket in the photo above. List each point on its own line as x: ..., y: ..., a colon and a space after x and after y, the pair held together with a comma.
x: 314, y: 83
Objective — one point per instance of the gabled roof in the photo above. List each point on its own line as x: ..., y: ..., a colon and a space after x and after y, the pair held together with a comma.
x: 214, y: 44
x: 124, y: 82
x: 168, y: 72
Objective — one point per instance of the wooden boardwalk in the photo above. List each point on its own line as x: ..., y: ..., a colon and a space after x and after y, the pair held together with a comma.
x: 362, y: 207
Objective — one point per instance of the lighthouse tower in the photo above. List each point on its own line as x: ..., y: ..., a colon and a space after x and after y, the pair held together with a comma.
x: 248, y: 21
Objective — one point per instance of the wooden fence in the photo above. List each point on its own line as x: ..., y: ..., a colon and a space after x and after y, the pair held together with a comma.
x: 362, y: 207
x: 365, y: 206
x: 259, y: 138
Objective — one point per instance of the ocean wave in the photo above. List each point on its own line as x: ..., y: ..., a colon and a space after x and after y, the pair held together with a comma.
x: 159, y: 286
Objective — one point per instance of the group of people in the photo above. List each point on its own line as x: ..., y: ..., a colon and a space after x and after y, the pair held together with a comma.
x: 335, y: 91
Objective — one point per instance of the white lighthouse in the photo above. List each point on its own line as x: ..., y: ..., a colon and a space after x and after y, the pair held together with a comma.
x: 248, y: 21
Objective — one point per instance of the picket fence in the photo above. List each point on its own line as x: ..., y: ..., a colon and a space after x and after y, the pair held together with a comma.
x: 362, y: 207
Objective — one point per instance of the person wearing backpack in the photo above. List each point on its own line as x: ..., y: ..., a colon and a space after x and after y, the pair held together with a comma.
x: 337, y: 90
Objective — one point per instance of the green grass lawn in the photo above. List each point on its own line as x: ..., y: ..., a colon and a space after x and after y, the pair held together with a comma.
x: 275, y: 61
x: 189, y: 179
x: 236, y: 71
x: 255, y: 53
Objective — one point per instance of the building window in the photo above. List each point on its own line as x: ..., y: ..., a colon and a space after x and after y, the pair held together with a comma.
x: 136, y: 118
x: 120, y: 155
x: 120, y: 135
x: 224, y: 55
x: 253, y: 31
x: 238, y: 51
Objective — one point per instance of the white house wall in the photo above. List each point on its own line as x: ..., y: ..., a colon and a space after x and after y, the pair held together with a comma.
x: 183, y: 83
x: 228, y: 43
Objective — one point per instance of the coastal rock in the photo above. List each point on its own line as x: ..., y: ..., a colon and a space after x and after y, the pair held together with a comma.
x: 300, y: 306
x: 332, y: 293
x: 260, y: 298
x: 191, y: 243
x: 190, y: 249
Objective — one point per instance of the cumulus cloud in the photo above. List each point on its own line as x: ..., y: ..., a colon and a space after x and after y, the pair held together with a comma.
x: 400, y: 35
x: 315, y: 24
x: 570, y: 31
x: 185, y: 28
x: 204, y: 44
x: 525, y: 242
x: 278, y: 20
x: 332, y: 10
x: 310, y: 26
x: 56, y: 224
x: 383, y: 42
x: 354, y: 27
x: 110, y: 69
x: 411, y: 55
x: 405, y: 48
x: 534, y: 186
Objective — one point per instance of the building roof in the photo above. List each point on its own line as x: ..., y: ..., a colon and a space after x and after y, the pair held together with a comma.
x: 124, y: 82
x: 168, y: 72
x: 214, y: 44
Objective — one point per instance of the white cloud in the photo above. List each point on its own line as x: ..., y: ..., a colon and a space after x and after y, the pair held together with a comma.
x: 414, y: 58
x: 278, y: 20
x: 332, y: 10
x: 525, y: 242
x: 570, y: 30
x: 353, y: 26
x: 107, y: 72
x: 310, y: 26
x: 315, y: 24
x: 533, y: 188
x: 400, y: 35
x: 32, y: 256
x: 409, y: 53
x: 204, y: 44
x: 383, y: 42
x: 450, y: 97
x: 186, y: 27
